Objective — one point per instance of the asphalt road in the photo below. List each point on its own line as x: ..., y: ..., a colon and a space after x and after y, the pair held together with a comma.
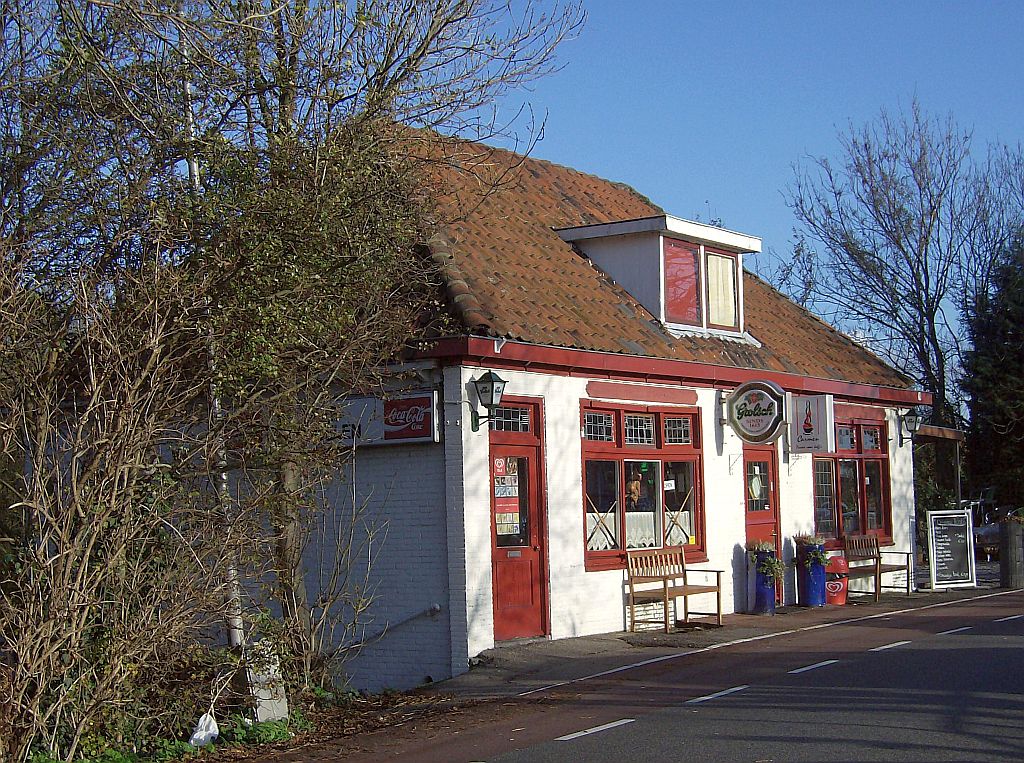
x: 924, y: 686
x: 935, y: 684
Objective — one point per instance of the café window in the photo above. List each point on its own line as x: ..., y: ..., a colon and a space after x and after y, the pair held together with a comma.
x: 701, y: 286
x: 851, y: 489
x: 641, y: 482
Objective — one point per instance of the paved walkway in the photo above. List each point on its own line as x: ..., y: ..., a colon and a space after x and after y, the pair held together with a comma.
x: 522, y: 668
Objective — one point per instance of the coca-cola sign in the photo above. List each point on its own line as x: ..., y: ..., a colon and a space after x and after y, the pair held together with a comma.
x: 409, y: 418
x: 756, y: 411
x: 403, y: 418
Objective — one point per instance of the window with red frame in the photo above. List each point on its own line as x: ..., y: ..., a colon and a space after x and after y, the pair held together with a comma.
x: 851, y: 487
x: 641, y: 481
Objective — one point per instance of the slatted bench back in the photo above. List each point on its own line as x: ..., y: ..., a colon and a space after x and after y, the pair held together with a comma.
x: 655, y: 564
x: 859, y: 548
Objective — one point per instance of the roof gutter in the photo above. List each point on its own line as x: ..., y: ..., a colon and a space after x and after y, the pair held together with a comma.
x: 503, y: 353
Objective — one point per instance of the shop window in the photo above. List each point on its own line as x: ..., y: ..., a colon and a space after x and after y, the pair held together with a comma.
x: 640, y: 490
x: 510, y: 419
x: 677, y: 430
x: 602, y: 505
x: 859, y: 479
x: 639, y: 430
x: 599, y: 427
x: 825, y: 497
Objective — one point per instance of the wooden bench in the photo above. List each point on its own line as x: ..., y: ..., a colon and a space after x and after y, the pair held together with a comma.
x: 667, y: 567
x: 865, y: 560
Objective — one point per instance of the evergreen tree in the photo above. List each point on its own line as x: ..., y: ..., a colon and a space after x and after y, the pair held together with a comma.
x: 995, y: 383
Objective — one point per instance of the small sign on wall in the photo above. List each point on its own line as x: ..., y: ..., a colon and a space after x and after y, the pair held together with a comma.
x: 756, y: 411
x: 405, y: 418
x: 811, y: 424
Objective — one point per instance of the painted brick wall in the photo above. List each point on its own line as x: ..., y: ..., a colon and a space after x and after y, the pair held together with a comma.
x: 403, y: 488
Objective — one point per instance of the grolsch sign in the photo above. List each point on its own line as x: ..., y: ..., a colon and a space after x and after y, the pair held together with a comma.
x: 756, y: 411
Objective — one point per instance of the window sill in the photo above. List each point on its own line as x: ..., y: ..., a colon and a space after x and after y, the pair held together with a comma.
x: 616, y: 560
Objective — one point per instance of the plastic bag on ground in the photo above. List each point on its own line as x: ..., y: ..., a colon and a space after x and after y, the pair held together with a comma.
x: 206, y: 731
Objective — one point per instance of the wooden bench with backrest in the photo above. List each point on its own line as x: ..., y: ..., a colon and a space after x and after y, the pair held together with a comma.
x: 667, y: 568
x: 865, y: 560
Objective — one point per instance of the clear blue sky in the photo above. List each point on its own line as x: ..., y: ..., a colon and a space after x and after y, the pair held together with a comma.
x: 704, y: 107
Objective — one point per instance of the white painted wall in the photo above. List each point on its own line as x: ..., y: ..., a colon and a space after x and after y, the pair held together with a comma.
x: 634, y: 261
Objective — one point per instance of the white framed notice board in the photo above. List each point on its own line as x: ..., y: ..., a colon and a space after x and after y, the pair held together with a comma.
x: 951, y: 549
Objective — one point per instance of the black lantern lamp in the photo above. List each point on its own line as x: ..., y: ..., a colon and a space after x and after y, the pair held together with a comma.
x: 911, y: 421
x: 489, y: 388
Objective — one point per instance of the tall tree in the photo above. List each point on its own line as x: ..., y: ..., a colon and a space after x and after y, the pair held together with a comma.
x: 995, y: 382
x: 199, y: 196
x: 907, y: 238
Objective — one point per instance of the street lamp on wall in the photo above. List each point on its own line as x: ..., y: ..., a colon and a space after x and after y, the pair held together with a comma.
x: 489, y: 388
x: 911, y: 421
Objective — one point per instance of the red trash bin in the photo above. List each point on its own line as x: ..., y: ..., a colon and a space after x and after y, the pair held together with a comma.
x: 837, y: 580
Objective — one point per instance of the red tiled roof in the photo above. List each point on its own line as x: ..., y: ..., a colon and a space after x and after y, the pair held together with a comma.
x: 509, y: 275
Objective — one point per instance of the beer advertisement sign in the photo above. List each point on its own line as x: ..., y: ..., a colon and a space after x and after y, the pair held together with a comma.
x: 756, y: 411
x: 811, y: 424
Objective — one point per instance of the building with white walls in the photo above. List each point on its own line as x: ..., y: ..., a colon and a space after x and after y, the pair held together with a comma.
x: 621, y: 333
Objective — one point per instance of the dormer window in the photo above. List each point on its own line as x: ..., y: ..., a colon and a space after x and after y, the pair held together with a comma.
x: 687, y: 274
x: 682, y: 283
x: 685, y: 299
x: 723, y: 312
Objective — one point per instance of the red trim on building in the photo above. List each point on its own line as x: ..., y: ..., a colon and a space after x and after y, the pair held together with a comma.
x: 848, y: 412
x: 642, y: 392
x: 572, y: 362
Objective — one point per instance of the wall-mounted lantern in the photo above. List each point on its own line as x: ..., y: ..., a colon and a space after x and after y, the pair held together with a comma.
x: 911, y: 421
x: 489, y: 388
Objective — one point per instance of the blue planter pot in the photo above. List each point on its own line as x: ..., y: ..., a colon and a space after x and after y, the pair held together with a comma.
x: 810, y: 581
x: 764, y: 587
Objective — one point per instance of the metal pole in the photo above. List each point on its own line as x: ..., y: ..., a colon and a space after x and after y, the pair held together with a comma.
x: 236, y: 630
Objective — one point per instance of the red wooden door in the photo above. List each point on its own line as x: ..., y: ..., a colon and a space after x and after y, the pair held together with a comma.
x: 516, y: 553
x: 761, y: 496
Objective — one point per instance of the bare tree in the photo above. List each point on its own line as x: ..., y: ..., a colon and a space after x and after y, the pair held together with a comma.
x: 282, y: 280
x: 908, y: 232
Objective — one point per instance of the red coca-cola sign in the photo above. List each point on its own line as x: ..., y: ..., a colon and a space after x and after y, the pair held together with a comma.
x: 409, y: 418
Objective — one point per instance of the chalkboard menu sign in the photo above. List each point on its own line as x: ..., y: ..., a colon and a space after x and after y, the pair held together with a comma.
x: 951, y: 549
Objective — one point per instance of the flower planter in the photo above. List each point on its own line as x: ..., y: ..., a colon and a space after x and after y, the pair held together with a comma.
x: 764, y: 586
x: 810, y: 579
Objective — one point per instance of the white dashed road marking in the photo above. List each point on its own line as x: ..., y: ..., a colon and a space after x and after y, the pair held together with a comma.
x: 716, y: 695
x: 955, y: 630
x: 888, y: 646
x: 594, y: 730
x: 805, y: 668
x: 1011, y: 617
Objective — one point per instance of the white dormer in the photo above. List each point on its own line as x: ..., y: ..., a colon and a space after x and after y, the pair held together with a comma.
x: 689, y: 275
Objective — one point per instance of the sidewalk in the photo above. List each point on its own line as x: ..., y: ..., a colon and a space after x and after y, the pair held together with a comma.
x: 523, y: 667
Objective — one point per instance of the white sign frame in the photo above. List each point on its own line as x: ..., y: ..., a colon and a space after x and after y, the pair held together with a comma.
x: 822, y: 437
x: 943, y: 585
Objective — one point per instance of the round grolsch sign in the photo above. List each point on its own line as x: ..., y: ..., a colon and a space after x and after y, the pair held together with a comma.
x: 755, y: 410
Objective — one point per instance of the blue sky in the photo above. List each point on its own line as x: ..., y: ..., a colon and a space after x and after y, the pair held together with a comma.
x: 704, y: 107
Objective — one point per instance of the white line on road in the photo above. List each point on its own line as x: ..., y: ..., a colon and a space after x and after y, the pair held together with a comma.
x: 716, y: 695
x: 955, y: 630
x: 594, y: 730
x: 735, y: 642
x: 888, y: 646
x: 805, y: 668
x: 1011, y: 617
